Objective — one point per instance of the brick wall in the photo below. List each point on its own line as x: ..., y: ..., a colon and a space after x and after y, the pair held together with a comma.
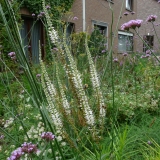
x: 99, y: 11
x: 144, y: 9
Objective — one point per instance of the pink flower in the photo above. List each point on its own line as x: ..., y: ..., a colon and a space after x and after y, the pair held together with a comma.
x: 56, y: 49
x: 11, y: 54
x: 33, y: 14
x: 75, y: 18
x: 131, y: 24
x: 159, y: 1
x: 16, y: 154
x: 133, y: 13
x: 151, y: 18
x: 126, y: 13
x: 38, y: 75
x: 125, y: 54
x: 48, y: 136
x: 48, y: 7
x: 29, y: 147
x: 115, y: 60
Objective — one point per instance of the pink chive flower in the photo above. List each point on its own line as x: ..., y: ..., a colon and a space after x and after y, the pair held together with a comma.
x: 29, y: 148
x: 131, y: 24
x: 126, y: 13
x: 103, y: 51
x: 33, y: 15
x: 151, y: 18
x: 48, y: 7
x: 16, y: 154
x: 75, y: 18
x: 48, y: 136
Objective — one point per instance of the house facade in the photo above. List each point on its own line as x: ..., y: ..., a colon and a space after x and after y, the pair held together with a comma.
x: 97, y: 12
x: 144, y: 9
x: 93, y: 13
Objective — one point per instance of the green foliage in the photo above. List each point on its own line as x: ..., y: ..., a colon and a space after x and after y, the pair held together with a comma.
x: 97, y: 43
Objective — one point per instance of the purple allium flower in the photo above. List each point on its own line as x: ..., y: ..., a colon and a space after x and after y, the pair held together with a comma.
x: 38, y: 75
x: 133, y: 13
x: 131, y: 24
x: 75, y: 18
x: 48, y: 136
x: 33, y: 15
x: 126, y: 13
x: 151, y: 18
x: 11, y: 54
x: 115, y: 60
x: 103, y: 51
x: 29, y: 147
x: 48, y: 7
x: 149, y: 142
x: 16, y: 154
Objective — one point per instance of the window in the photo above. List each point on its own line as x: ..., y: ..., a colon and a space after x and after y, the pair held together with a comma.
x: 129, y: 5
x: 110, y: 1
x: 31, y: 32
x: 125, y: 42
x: 101, y: 26
x: 69, y: 29
x: 149, y: 39
x: 102, y: 29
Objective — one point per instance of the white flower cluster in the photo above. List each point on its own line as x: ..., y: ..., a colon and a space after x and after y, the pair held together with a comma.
x: 96, y: 85
x: 8, y: 122
x: 52, y: 32
x: 65, y: 103
x: 35, y: 132
x: 77, y: 82
x: 50, y: 93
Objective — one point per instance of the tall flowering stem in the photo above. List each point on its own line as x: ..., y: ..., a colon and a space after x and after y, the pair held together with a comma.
x: 66, y: 105
x: 77, y: 82
x: 51, y: 94
x: 76, y: 78
x: 96, y: 86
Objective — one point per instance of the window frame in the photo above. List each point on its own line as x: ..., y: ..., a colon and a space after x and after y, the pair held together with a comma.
x: 103, y: 24
x: 130, y: 34
x: 129, y: 3
x: 28, y: 21
x: 149, y: 42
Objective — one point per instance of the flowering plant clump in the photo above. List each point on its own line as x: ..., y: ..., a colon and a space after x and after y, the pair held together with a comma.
x: 29, y: 147
x: 48, y: 136
x: 16, y: 154
x: 131, y: 24
x: 151, y: 18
